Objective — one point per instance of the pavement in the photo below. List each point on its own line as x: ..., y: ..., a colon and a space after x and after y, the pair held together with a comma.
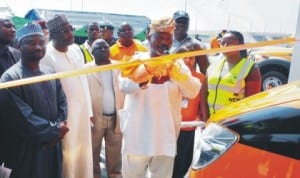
x: 102, y: 162
x: 102, y: 155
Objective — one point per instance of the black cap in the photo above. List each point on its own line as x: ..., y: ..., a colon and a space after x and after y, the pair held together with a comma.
x: 106, y: 25
x: 181, y: 14
x: 220, y: 35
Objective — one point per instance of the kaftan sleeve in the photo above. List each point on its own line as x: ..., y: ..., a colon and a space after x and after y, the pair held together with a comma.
x: 189, y: 85
x: 20, y: 116
x: 25, y: 123
x: 127, y: 85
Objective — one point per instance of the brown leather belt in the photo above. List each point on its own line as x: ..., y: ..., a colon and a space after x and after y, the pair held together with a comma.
x: 109, y: 115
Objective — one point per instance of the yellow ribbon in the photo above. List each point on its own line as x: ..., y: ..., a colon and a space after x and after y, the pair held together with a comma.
x: 124, y: 65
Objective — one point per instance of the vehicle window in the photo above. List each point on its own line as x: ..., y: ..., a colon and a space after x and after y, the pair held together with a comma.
x: 259, y: 38
x: 275, y: 129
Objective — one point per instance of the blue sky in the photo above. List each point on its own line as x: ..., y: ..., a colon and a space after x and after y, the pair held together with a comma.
x: 242, y: 15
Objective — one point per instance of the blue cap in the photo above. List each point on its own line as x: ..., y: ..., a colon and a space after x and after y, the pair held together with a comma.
x: 181, y: 14
x: 28, y: 30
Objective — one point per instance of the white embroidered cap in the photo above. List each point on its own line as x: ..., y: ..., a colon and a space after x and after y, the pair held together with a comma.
x: 28, y: 30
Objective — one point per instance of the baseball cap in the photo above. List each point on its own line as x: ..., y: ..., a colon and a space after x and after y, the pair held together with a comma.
x: 106, y: 25
x: 181, y: 14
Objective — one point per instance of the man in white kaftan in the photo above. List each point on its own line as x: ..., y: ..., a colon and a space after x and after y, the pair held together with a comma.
x: 63, y: 55
x: 150, y: 119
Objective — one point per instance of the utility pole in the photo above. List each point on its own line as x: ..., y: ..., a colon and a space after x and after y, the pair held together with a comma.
x: 295, y: 63
x: 71, y: 5
x: 228, y: 21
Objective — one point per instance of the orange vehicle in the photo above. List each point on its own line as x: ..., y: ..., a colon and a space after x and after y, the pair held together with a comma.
x: 256, y: 137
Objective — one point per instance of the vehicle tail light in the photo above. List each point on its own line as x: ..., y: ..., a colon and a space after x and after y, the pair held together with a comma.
x: 214, y: 141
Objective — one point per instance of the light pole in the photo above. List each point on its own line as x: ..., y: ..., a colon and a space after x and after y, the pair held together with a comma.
x: 185, y: 5
x: 228, y: 21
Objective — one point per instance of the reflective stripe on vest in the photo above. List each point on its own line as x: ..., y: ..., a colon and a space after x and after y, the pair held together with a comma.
x: 230, y: 88
x: 87, y: 55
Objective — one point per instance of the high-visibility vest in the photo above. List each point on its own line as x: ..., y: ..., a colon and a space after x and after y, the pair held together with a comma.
x: 229, y: 88
x: 86, y: 53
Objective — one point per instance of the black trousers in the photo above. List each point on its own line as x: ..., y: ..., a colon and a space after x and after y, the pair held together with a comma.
x: 185, y: 148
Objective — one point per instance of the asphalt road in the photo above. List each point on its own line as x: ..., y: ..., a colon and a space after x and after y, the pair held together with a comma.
x: 102, y: 162
x: 102, y: 155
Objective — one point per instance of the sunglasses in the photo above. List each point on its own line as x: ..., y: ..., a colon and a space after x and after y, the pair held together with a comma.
x: 66, y: 30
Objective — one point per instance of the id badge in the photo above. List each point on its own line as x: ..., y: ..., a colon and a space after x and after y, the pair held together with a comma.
x: 184, y: 103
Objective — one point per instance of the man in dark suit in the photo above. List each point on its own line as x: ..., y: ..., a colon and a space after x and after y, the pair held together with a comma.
x: 8, y: 54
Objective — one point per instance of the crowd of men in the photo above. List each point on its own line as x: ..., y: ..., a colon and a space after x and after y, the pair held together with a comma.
x: 56, y: 128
